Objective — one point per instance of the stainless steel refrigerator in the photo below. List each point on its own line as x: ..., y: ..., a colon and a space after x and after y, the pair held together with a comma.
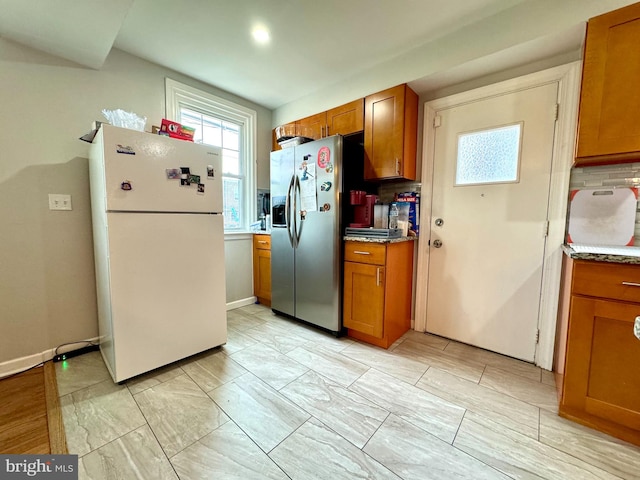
x: 306, y: 214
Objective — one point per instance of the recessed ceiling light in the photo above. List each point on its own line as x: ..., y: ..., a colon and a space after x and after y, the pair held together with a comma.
x: 261, y: 35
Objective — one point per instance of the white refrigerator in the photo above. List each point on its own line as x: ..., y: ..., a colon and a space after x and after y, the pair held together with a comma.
x: 159, y: 249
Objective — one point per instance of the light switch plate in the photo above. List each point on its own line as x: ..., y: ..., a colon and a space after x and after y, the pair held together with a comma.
x: 58, y: 201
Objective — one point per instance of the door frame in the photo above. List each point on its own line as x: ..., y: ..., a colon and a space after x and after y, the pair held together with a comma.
x: 568, y: 79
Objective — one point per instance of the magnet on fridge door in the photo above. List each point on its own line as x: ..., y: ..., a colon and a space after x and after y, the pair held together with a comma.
x: 185, y: 170
x: 201, y: 188
x: 185, y: 181
x: 126, y: 185
x: 126, y: 149
x: 210, y: 171
x: 326, y: 207
x: 324, y: 157
x: 329, y: 168
x: 194, y: 178
x: 173, y: 173
x: 325, y: 187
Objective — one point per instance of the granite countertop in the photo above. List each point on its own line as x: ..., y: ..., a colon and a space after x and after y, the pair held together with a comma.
x: 601, y: 257
x: 351, y: 238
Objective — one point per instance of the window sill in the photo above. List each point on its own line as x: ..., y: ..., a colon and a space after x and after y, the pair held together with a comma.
x: 232, y: 236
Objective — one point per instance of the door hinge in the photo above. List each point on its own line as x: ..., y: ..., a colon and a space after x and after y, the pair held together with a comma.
x: 556, y: 112
x: 437, y: 121
x: 537, y: 337
x: 546, y: 228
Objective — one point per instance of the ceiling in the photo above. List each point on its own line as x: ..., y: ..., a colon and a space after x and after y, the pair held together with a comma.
x: 314, y: 43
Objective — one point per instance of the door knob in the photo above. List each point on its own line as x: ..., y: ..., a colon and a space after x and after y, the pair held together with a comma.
x: 439, y: 222
x: 437, y: 243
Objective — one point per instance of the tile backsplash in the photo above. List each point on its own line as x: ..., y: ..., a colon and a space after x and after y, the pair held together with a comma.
x: 619, y: 175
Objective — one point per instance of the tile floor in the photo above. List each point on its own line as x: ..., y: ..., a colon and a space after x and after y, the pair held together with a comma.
x: 283, y: 400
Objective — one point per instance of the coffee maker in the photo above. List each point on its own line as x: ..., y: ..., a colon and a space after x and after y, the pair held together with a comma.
x: 362, y: 204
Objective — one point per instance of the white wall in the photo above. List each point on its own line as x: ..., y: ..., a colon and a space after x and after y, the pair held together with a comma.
x: 47, y: 284
x: 528, y: 32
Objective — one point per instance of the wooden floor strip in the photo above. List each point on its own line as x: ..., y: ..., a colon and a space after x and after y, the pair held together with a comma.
x: 30, y: 413
x: 57, y: 437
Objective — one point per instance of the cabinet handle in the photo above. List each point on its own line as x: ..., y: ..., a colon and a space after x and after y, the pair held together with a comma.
x: 397, y: 167
x: 321, y: 132
x: 327, y: 130
x: 378, y: 277
x: 262, y: 241
x: 631, y: 284
x: 359, y: 252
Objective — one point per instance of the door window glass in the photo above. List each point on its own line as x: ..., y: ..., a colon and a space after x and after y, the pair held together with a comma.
x: 489, y: 156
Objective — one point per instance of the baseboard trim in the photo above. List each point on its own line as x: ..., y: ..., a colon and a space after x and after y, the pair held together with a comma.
x: 241, y: 303
x: 18, y: 365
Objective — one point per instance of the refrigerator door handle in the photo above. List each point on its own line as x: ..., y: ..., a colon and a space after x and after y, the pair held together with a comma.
x: 298, y: 230
x: 287, y: 210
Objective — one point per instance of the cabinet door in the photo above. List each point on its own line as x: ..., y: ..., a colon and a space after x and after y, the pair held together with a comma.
x: 602, y: 373
x: 609, y: 103
x: 313, y: 126
x: 262, y: 273
x: 346, y: 119
x: 390, y: 133
x: 363, y: 303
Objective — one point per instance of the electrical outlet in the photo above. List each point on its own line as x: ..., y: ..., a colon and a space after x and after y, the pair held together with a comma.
x: 59, y: 201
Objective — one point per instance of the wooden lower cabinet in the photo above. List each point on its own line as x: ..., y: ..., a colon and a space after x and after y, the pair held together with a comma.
x: 601, y: 385
x: 377, y: 291
x: 262, y: 268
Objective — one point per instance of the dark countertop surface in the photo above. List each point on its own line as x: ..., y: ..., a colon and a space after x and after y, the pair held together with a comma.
x: 351, y: 238
x: 604, y: 257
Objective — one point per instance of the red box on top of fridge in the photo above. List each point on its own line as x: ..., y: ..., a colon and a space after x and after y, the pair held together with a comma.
x: 176, y: 130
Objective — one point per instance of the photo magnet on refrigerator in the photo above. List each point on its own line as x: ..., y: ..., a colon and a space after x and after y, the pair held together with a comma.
x: 173, y: 173
x: 210, y: 171
x: 185, y: 170
x: 201, y: 188
x: 324, y: 157
x: 194, y: 178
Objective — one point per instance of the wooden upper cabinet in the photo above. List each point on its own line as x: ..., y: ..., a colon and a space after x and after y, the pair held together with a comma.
x: 343, y: 120
x: 609, y: 123
x: 346, y: 119
x: 390, y: 134
x: 313, y: 126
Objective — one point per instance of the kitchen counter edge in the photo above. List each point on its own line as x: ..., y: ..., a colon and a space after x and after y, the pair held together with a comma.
x: 349, y: 238
x: 600, y: 257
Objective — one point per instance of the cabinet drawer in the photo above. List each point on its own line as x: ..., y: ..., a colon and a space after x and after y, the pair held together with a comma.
x: 361, y: 252
x: 262, y: 242
x: 607, y: 280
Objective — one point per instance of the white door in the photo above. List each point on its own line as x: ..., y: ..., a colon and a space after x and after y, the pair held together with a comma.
x: 491, y: 180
